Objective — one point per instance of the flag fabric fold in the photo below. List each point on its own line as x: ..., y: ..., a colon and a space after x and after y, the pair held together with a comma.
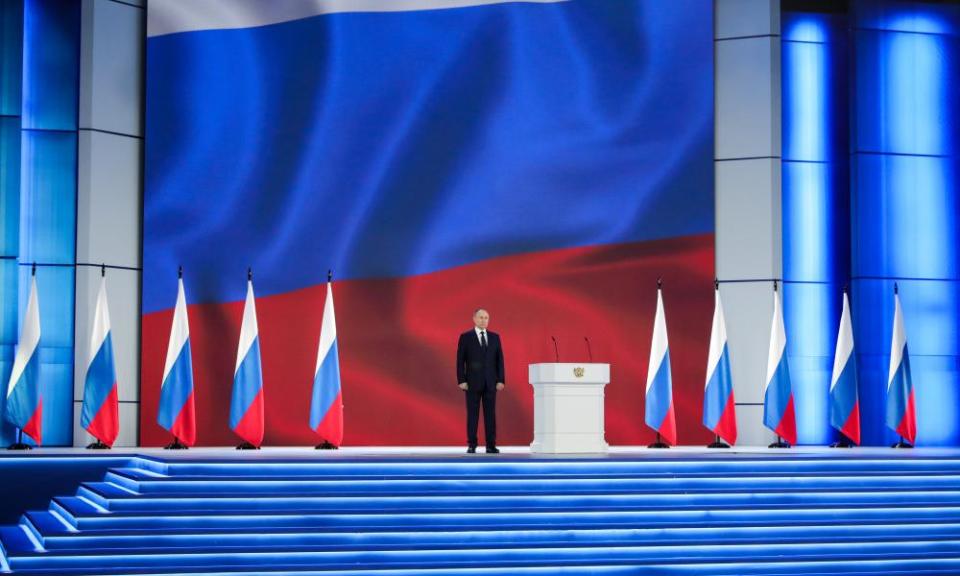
x: 100, y: 413
x: 778, y: 405
x: 844, y: 399
x: 24, y: 403
x: 901, y: 415
x: 326, y: 407
x: 719, y: 408
x: 176, y: 411
x: 246, y: 404
x: 659, y: 392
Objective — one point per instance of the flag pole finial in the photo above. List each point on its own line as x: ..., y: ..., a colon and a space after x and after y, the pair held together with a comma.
x: 103, y: 269
x: 249, y: 274
x: 329, y: 275
x: 180, y: 272
x: 774, y: 284
x: 716, y: 283
x: 896, y: 288
x: 33, y: 269
x: 659, y: 283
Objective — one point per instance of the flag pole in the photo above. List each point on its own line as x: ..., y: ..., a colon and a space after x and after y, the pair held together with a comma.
x: 20, y: 444
x: 843, y: 441
x: 717, y: 442
x: 326, y: 444
x: 779, y: 443
x: 902, y: 443
x: 177, y: 444
x: 246, y: 444
x: 659, y: 443
x: 99, y: 445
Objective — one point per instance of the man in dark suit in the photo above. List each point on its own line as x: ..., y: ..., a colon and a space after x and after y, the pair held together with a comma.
x: 480, y: 374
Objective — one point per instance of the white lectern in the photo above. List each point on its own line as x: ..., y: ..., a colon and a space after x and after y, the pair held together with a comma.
x: 568, y: 408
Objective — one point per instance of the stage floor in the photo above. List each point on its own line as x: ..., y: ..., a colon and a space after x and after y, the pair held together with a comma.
x: 511, y: 452
x: 406, y: 511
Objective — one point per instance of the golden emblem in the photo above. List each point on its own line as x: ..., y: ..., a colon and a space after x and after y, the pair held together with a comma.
x: 578, y: 371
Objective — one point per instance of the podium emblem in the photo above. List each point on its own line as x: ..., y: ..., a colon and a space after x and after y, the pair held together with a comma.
x: 578, y: 371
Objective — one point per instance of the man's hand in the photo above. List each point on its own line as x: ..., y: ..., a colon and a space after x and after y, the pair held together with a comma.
x: 463, y: 386
x: 499, y: 386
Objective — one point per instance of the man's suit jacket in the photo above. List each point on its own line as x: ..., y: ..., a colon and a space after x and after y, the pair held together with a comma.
x: 477, y: 367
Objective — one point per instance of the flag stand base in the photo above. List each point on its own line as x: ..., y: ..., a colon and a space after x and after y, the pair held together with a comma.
x: 19, y: 446
x: 780, y: 443
x: 902, y: 444
x: 659, y: 444
x: 98, y: 445
x: 326, y: 446
x: 247, y: 446
x: 717, y: 443
x: 843, y: 442
x: 176, y: 445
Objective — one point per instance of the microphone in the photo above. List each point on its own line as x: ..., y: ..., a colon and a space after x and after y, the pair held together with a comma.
x: 589, y: 351
x: 556, y: 348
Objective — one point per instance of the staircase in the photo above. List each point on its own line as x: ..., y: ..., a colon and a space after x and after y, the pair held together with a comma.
x: 680, y: 513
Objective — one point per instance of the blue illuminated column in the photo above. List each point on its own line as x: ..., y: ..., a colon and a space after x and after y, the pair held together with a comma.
x: 48, y: 196
x: 904, y: 198
x: 815, y: 207
x: 11, y: 41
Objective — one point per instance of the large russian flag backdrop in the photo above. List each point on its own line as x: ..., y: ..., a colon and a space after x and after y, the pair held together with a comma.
x: 546, y: 160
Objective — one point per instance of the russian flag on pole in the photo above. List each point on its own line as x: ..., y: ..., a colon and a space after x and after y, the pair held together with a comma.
x: 100, y: 412
x: 778, y: 409
x: 901, y: 403
x: 246, y: 405
x: 176, y: 411
x: 844, y: 400
x: 719, y: 413
x: 24, y: 405
x: 659, y: 395
x: 326, y: 408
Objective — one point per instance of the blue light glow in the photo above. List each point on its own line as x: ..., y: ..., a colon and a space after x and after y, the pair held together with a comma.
x: 47, y: 197
x: 814, y: 210
x: 906, y: 209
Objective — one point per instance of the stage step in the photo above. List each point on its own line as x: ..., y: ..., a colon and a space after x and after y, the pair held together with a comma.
x: 650, y: 515
x: 147, y: 541
x: 450, y: 558
x: 193, y: 486
x: 134, y: 504
x: 84, y: 517
x: 849, y: 566
x: 668, y: 463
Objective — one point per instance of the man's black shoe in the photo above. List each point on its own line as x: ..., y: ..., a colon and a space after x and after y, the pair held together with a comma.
x: 492, y: 450
x: 471, y: 449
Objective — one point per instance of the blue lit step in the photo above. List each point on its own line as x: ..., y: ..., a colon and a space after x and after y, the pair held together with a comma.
x: 650, y: 464
x: 485, y: 503
x: 86, y: 517
x: 16, y: 540
x: 311, y: 485
x: 477, y: 557
x: 897, y: 567
x: 108, y: 490
x: 493, y: 538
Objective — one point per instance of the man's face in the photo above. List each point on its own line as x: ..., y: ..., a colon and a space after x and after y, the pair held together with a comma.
x: 481, y: 319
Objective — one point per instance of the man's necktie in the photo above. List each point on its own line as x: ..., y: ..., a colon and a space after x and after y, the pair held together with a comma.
x: 483, y: 339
